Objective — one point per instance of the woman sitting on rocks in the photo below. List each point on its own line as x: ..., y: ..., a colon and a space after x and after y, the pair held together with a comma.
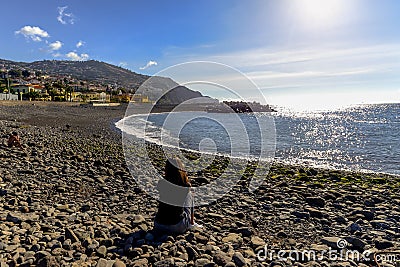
x: 175, y: 208
x: 14, y: 140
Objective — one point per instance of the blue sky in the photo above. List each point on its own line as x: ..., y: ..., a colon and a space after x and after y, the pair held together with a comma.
x: 299, y: 52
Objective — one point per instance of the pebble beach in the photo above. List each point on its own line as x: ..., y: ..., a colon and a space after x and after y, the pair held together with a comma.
x: 68, y: 199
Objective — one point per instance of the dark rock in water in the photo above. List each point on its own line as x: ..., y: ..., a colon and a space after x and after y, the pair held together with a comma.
x: 316, y: 201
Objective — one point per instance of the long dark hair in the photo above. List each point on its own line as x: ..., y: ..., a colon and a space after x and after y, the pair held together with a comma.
x: 175, y: 172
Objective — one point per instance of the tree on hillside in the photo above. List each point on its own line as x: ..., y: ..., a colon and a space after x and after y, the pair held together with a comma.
x: 68, y: 93
x: 14, y: 73
x: 26, y: 73
x: 33, y: 95
x: 59, y: 86
x: 53, y: 93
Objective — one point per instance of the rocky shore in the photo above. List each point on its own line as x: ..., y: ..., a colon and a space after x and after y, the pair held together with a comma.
x: 68, y: 199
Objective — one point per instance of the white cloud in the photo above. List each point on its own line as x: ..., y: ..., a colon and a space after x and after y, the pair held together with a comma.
x: 65, y: 18
x: 285, y: 73
x: 34, y: 33
x: 79, y: 44
x: 123, y: 64
x: 306, y: 67
x: 55, y: 46
x: 149, y: 64
x: 57, y: 55
x: 74, y: 56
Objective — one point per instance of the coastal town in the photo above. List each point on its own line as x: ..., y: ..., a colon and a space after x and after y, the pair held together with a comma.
x: 27, y: 84
x: 23, y: 84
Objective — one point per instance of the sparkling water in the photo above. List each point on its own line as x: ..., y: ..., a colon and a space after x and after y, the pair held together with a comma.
x: 364, y: 138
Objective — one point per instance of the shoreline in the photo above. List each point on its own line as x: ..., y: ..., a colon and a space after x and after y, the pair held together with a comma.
x: 274, y: 160
x: 68, y: 199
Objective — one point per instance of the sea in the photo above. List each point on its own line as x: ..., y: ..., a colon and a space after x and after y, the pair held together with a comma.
x: 359, y: 138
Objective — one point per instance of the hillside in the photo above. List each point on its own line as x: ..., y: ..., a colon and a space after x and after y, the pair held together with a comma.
x: 94, y: 71
x: 106, y: 74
